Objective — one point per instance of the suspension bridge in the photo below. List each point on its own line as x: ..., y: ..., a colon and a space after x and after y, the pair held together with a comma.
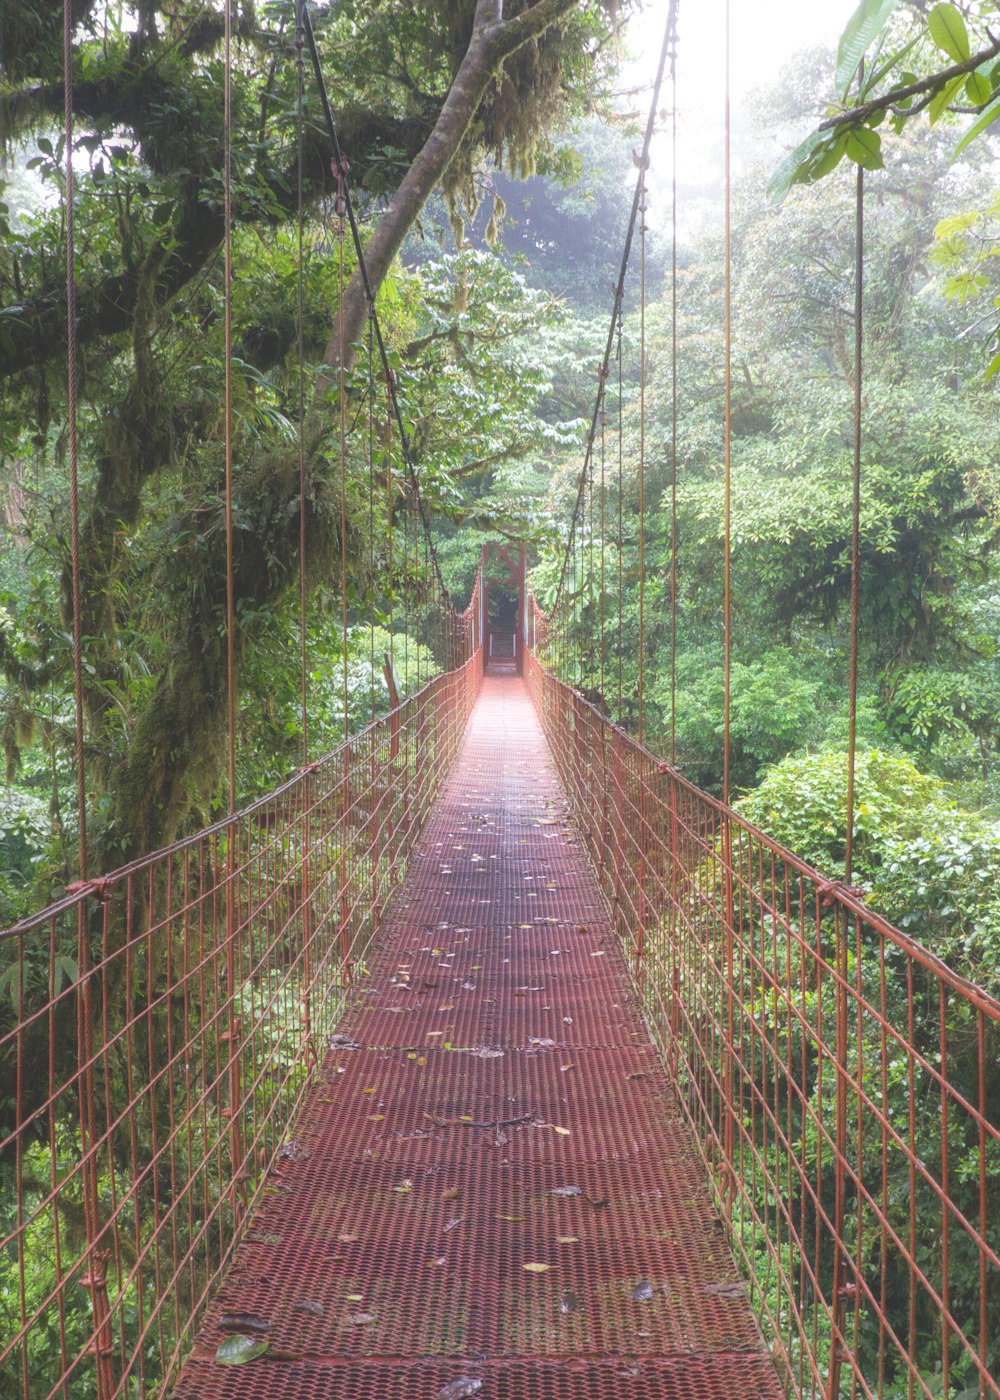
x: 489, y: 1056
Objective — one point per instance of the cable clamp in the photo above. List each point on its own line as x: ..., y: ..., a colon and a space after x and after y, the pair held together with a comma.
x: 829, y: 889
x: 100, y: 888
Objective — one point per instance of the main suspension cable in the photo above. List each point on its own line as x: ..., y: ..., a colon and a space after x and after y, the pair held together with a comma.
x: 227, y: 197
x: 727, y: 598
x: 301, y: 338
x: 852, y: 732
x: 341, y: 168
x: 643, y: 161
x: 71, y: 432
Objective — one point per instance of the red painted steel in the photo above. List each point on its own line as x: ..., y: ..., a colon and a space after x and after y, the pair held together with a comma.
x: 490, y: 1172
x: 831, y: 1067
x: 168, y: 1018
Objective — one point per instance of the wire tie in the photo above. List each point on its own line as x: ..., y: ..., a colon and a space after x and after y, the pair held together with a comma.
x: 828, y: 890
x: 98, y: 888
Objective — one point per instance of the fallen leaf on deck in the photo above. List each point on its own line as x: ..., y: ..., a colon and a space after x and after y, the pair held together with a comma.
x: 452, y: 1194
x: 347, y: 1239
x: 309, y: 1305
x: 643, y: 1291
x: 564, y: 1132
x: 537, y: 1268
x: 567, y: 1239
x: 353, y: 1297
x: 242, y: 1322
x: 452, y: 1224
x: 460, y: 1389
x: 514, y: 1219
x: 361, y: 1319
x: 234, y: 1351
x: 566, y: 1191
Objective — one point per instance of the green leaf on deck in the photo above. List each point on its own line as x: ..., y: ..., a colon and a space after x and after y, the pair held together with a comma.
x: 237, y: 1350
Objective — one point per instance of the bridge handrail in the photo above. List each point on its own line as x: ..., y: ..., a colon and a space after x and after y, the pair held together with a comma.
x: 842, y: 1080
x: 159, y: 1027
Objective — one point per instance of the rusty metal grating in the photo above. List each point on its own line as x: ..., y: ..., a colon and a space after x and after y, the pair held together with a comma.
x: 491, y: 1101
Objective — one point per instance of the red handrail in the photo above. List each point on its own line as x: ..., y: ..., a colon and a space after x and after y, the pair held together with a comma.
x: 830, y: 1066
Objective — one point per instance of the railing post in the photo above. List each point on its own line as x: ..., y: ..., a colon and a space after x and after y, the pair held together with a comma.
x: 345, y: 903
x: 728, y: 1107
x: 234, y: 1030
x: 841, y: 1290
x: 94, y: 1277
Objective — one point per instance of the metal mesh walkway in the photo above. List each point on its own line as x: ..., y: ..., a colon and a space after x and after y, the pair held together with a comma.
x: 491, y: 1181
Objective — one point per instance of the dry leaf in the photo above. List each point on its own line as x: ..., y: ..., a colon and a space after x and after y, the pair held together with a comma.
x: 514, y: 1219
x: 347, y: 1239
x: 556, y: 1129
x: 537, y: 1268
x: 567, y: 1239
x: 452, y: 1194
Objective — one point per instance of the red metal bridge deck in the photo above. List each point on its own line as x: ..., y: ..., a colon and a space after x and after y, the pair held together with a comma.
x: 491, y: 1179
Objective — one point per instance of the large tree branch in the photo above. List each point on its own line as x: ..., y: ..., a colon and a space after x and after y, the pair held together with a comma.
x: 493, y: 39
x: 930, y: 85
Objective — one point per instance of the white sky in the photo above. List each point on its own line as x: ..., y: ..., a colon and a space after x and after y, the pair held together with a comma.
x: 765, y: 34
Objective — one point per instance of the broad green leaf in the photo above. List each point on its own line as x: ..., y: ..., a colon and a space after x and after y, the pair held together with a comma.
x: 879, y: 70
x: 861, y: 30
x: 947, y: 29
x: 825, y: 161
x: 984, y: 120
x: 238, y: 1349
x: 944, y: 99
x: 864, y: 147
x: 979, y: 89
x: 993, y: 369
x: 785, y: 176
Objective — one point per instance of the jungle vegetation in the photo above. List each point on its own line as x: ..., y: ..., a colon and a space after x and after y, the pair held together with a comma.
x: 489, y: 223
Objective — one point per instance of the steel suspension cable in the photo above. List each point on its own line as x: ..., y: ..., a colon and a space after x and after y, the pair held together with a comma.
x: 342, y: 169
x: 301, y: 338
x: 227, y: 198
x: 620, y: 285
x: 642, y: 445
x: 621, y: 535
x: 727, y: 600
x: 71, y: 432
x: 342, y: 439
x: 371, y: 508
x: 604, y: 424
x: 852, y: 731
x: 93, y: 1277
x: 673, y: 405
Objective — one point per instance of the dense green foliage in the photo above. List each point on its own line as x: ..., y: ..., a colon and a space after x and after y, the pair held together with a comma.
x: 496, y: 352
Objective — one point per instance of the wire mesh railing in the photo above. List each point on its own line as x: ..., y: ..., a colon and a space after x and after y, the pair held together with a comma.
x: 163, y: 1025
x: 842, y: 1082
